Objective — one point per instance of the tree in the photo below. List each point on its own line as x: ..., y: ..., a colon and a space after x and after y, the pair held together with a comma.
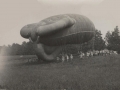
x: 108, y: 38
x: 113, y: 40
x: 99, y: 43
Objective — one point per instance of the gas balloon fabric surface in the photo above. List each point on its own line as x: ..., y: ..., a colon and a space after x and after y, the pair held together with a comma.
x: 51, y: 33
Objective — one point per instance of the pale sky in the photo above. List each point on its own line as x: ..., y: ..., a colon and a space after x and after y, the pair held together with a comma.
x: 14, y: 14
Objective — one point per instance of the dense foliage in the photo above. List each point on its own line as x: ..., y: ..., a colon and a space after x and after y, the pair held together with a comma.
x: 26, y: 48
x: 113, y: 39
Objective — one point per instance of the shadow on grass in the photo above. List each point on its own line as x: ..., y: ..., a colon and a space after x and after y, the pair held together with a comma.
x: 37, y: 63
x: 3, y: 87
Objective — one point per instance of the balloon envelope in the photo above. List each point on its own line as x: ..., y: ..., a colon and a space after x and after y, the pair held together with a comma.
x: 60, y: 30
x: 82, y: 31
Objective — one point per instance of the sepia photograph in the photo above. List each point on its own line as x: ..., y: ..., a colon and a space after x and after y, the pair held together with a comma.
x: 59, y: 44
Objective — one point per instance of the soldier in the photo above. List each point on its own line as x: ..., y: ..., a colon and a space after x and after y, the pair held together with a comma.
x: 67, y: 57
x: 71, y: 57
x: 81, y: 55
x: 63, y: 58
x: 58, y: 59
x: 88, y: 54
x: 91, y: 53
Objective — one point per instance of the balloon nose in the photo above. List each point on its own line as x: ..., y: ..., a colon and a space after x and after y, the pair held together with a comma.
x: 25, y: 32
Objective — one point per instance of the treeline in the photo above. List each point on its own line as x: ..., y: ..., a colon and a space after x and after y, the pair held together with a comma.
x: 26, y: 48
x: 111, y: 41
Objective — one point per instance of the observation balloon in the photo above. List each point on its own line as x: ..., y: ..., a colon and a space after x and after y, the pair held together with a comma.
x: 59, y: 30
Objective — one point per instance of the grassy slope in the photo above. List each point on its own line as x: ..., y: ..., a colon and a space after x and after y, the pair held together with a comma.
x: 95, y: 73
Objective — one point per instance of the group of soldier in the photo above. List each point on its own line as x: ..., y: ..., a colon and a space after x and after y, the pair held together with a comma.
x: 82, y: 55
x: 65, y: 57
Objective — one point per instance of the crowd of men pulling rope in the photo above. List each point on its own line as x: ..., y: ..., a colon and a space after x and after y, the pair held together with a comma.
x: 69, y: 57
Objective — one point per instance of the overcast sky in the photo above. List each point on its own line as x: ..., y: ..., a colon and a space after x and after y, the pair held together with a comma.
x: 14, y: 14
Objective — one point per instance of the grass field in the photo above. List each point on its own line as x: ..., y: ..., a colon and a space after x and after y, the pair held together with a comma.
x: 94, y: 73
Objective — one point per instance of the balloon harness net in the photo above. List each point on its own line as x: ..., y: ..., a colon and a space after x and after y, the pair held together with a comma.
x: 79, y: 47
